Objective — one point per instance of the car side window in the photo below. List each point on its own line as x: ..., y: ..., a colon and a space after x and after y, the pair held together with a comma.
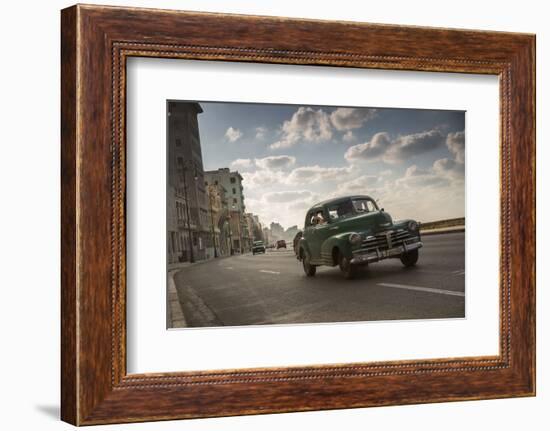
x: 333, y: 213
x: 316, y: 217
x: 370, y: 206
x: 311, y: 219
x: 341, y: 210
x: 364, y: 205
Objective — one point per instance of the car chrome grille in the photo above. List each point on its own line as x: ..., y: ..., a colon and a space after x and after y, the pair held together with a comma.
x: 387, y: 239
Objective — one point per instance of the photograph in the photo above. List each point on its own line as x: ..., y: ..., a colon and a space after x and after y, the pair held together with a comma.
x: 300, y: 214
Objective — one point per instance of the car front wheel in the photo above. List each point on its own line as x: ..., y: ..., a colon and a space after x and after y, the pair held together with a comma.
x: 349, y: 270
x: 409, y: 258
x: 309, y: 269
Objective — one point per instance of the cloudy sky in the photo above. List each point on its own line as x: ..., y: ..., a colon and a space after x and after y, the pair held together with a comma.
x: 291, y: 156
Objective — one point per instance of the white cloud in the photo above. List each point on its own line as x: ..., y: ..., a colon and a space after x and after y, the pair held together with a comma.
x: 316, y: 173
x: 268, y: 171
x: 371, y: 150
x: 425, y: 194
x: 382, y: 146
x: 307, y: 125
x: 275, y: 162
x: 287, y: 207
x: 233, y: 135
x: 449, y: 168
x: 455, y: 144
x: 300, y: 207
x: 419, y: 192
x: 241, y: 164
x: 261, y: 132
x: 416, y: 177
x: 407, y: 146
x: 261, y: 178
x: 365, y: 184
x: 287, y: 196
x: 415, y: 171
x: 351, y: 118
x: 348, y: 137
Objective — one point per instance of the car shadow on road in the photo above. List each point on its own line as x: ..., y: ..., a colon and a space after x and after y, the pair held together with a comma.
x: 376, y: 272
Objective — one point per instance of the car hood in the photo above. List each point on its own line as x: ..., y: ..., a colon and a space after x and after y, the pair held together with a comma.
x: 371, y: 222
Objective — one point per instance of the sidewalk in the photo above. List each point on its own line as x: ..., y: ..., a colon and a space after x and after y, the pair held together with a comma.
x: 175, y: 317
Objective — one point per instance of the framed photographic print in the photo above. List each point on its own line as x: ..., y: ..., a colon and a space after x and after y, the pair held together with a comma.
x: 267, y: 215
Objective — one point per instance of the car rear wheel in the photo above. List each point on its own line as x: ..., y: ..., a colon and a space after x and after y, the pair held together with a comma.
x: 349, y: 270
x: 309, y: 269
x: 409, y: 258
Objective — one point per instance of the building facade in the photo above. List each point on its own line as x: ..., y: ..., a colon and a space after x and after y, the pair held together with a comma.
x: 254, y: 227
x: 277, y: 231
x: 232, y: 183
x: 219, y: 219
x: 188, y: 229
x: 266, y: 236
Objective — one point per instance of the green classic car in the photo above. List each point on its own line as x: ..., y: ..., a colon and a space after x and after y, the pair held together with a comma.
x: 351, y: 232
x: 258, y: 247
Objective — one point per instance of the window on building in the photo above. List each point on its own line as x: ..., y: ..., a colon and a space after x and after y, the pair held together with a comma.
x: 178, y: 142
x: 233, y: 180
x: 234, y: 190
x: 180, y: 161
x: 234, y: 200
x: 216, y: 182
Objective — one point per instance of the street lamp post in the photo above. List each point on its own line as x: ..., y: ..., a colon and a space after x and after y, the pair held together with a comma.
x: 240, y: 234
x: 191, y: 255
x: 212, y: 223
x: 231, y: 251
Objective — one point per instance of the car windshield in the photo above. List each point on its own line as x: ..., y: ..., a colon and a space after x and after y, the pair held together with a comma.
x: 258, y: 243
x: 364, y: 205
x: 340, y: 210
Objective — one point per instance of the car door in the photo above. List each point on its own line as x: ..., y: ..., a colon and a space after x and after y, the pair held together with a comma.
x: 311, y: 235
x: 323, y: 232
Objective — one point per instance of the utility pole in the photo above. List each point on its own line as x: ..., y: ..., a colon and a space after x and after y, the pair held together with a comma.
x: 231, y: 251
x: 191, y: 255
x: 240, y: 236
x: 212, y: 223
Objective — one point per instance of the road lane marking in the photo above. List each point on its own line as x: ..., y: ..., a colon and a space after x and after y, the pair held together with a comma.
x: 459, y: 272
x: 269, y: 272
x: 423, y: 289
x: 228, y: 267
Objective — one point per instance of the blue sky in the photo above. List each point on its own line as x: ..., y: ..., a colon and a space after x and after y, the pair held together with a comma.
x: 291, y: 156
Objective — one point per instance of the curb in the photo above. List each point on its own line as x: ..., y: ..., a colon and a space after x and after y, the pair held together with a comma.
x: 175, y: 317
x: 454, y: 229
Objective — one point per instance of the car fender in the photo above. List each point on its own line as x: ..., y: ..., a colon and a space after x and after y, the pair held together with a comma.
x: 303, y: 245
x: 340, y: 241
x: 404, y: 224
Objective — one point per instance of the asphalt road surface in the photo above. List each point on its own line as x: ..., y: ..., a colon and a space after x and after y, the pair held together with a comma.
x: 272, y: 288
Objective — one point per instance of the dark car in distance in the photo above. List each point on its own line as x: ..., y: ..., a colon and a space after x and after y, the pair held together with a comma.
x: 258, y: 247
x: 281, y: 244
x: 352, y: 232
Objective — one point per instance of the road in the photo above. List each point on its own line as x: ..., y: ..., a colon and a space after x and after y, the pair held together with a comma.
x: 273, y: 289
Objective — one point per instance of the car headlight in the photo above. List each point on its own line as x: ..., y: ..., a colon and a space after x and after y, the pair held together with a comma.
x: 413, y: 225
x: 355, y: 238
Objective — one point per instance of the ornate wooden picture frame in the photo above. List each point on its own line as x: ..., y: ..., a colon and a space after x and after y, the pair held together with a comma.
x: 96, y: 41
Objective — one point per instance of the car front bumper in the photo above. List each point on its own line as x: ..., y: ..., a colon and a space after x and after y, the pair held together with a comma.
x: 362, y: 257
